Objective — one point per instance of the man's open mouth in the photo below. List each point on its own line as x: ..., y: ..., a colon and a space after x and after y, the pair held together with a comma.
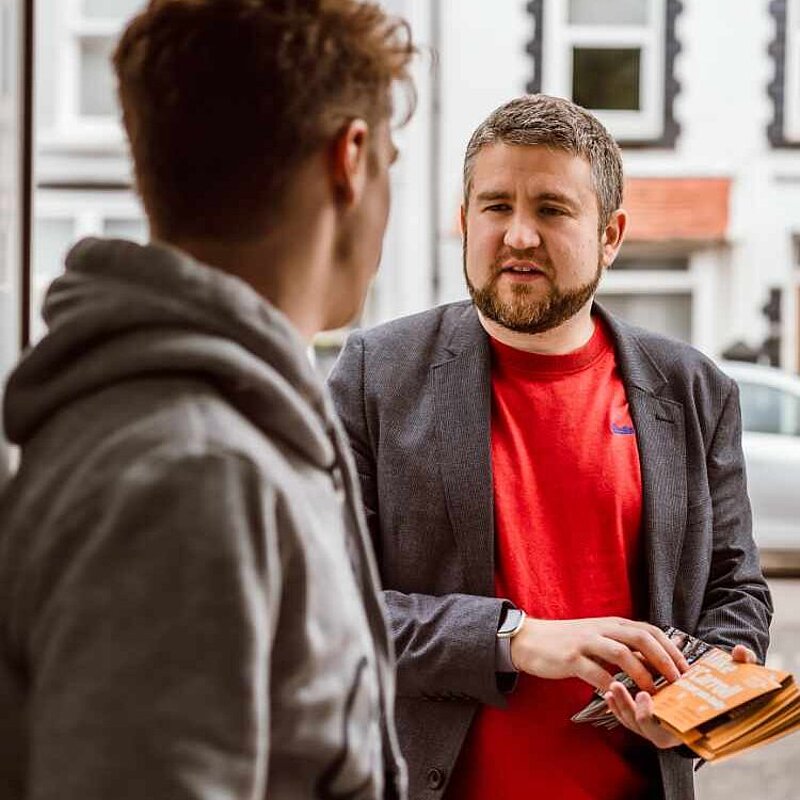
x: 522, y: 269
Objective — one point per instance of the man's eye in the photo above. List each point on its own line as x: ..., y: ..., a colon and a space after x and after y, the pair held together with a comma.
x: 550, y: 211
x: 498, y: 207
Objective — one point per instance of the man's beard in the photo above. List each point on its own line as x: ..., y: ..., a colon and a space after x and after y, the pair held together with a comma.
x: 528, y: 311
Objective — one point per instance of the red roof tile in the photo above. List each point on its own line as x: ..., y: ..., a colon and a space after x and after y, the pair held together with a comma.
x: 677, y: 209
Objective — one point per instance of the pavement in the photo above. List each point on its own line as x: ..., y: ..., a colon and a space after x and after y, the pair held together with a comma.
x: 772, y: 772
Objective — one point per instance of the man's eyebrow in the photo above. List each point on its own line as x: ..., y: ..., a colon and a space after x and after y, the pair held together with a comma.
x: 491, y: 195
x: 556, y: 197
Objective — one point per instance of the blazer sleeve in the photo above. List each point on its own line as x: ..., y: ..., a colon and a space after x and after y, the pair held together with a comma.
x: 446, y: 646
x: 737, y: 608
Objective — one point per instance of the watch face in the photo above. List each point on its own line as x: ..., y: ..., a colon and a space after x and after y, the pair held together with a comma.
x: 510, y: 623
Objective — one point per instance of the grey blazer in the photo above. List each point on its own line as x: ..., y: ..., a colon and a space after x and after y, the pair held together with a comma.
x: 415, y: 397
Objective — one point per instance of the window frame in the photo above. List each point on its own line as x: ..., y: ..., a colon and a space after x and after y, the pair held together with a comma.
x: 784, y: 129
x: 551, y: 49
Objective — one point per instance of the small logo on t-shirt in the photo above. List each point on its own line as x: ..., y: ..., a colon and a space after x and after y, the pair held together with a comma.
x: 622, y: 430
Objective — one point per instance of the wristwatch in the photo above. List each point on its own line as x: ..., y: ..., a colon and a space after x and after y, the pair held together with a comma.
x: 511, y: 623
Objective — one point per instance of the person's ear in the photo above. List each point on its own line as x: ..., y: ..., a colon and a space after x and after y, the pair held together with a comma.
x: 462, y: 220
x: 613, y: 234
x: 349, y: 161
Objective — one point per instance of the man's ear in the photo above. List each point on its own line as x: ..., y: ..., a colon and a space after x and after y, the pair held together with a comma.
x: 349, y: 161
x: 462, y: 220
x: 613, y: 234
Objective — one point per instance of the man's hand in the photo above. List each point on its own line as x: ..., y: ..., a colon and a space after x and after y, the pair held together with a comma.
x: 582, y: 648
x: 637, y: 714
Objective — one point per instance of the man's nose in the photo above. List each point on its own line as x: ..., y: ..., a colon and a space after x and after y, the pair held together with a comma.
x: 522, y: 233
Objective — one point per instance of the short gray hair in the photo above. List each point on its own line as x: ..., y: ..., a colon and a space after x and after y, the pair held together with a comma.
x: 538, y: 119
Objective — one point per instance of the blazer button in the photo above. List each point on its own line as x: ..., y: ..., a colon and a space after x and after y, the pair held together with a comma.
x: 435, y: 778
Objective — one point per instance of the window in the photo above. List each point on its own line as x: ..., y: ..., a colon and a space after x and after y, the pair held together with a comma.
x: 64, y: 216
x: 784, y: 130
x: 665, y: 293
x: 119, y: 228
x: 84, y: 34
x: 793, y: 315
x: 668, y: 314
x: 54, y: 235
x: 766, y: 409
x: 614, y: 58
x: 8, y: 50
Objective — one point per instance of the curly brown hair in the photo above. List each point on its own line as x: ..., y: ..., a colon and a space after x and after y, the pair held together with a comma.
x: 222, y: 99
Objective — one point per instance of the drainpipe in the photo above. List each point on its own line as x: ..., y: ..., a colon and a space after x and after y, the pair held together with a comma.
x: 436, y: 148
x: 26, y: 171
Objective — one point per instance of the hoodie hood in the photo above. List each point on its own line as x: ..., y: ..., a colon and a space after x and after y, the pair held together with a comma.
x: 123, y: 311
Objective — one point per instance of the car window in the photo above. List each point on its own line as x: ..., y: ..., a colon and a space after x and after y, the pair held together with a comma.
x: 766, y: 409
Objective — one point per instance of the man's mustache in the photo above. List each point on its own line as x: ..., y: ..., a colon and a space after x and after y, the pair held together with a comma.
x: 531, y: 257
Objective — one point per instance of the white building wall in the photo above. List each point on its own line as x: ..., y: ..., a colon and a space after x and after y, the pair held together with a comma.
x: 483, y: 64
x: 404, y: 283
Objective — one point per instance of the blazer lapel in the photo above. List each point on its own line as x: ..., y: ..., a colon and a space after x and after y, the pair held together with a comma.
x: 462, y: 397
x: 661, y: 439
x: 662, y: 455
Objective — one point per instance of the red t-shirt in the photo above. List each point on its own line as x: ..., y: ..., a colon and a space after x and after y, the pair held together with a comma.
x: 567, y: 506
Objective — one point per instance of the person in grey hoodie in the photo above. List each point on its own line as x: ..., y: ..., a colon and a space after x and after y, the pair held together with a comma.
x: 189, y: 606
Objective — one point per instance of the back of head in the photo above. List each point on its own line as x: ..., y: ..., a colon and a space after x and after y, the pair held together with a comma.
x: 223, y: 99
x: 560, y: 124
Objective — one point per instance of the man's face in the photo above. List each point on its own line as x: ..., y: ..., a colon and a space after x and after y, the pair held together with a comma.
x: 532, y: 254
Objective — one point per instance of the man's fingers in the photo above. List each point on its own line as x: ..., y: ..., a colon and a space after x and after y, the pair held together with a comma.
x: 591, y: 672
x: 619, y: 654
x: 660, y: 652
x: 643, y: 710
x: 621, y: 704
x: 657, y: 650
x: 637, y: 715
x: 672, y: 649
x: 648, y: 724
x: 744, y: 655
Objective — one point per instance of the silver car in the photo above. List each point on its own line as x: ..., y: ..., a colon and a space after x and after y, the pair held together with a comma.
x: 770, y: 400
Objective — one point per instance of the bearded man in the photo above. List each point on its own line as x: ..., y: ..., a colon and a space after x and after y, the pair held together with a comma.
x: 546, y: 487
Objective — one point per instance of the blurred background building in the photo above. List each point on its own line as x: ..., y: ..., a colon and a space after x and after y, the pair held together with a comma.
x: 703, y: 96
x: 708, y: 115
